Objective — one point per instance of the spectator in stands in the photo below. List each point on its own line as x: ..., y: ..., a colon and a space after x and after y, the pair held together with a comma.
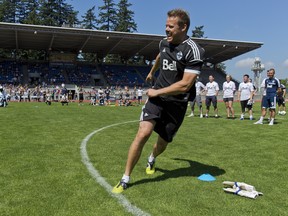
x: 272, y: 86
x: 229, y: 89
x: 212, y: 90
x: 200, y: 87
x: 181, y: 61
x: 245, y: 96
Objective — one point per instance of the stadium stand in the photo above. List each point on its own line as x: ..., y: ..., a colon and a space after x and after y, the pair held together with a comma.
x: 80, y: 74
x: 10, y: 72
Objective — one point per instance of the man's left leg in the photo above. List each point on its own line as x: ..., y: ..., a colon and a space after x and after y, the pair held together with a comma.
x: 158, y: 148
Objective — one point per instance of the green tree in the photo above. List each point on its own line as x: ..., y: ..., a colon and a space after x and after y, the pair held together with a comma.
x: 107, y: 16
x: 28, y: 12
x: 125, y: 16
x: 221, y: 66
x: 198, y: 32
x: 8, y: 11
x: 57, y: 13
x: 89, y: 19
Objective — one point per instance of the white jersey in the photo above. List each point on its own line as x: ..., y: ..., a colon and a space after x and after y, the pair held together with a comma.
x: 199, y: 87
x: 211, y: 88
x: 139, y: 92
x: 3, y: 95
x: 263, y: 87
x: 229, y: 89
x: 245, y: 89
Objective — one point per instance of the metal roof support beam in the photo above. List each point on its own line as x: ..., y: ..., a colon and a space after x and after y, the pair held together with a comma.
x: 16, y: 40
x: 143, y: 48
x: 85, y: 42
x: 51, y: 42
x: 113, y: 46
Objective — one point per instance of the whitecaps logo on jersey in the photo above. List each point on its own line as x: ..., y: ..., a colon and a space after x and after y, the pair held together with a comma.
x: 179, y: 55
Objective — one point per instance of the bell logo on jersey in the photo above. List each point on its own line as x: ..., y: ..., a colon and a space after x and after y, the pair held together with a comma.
x: 167, y: 66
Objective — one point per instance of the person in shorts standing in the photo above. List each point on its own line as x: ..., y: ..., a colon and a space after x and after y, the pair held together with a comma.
x: 180, y: 60
x: 212, y: 90
x: 229, y: 89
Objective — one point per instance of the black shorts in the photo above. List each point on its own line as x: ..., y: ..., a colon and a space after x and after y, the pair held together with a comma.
x: 168, y: 115
x: 210, y: 99
x: 244, y: 104
x: 280, y: 101
x: 228, y: 99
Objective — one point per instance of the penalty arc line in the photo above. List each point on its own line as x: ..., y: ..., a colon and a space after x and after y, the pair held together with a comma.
x: 101, y: 180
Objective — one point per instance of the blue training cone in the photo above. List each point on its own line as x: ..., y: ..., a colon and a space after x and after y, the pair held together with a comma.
x: 206, y: 177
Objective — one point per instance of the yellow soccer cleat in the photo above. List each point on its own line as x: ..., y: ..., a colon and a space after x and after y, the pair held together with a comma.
x: 150, y: 169
x: 120, y: 187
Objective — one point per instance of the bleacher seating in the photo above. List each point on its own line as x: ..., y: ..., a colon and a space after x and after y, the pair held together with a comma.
x: 81, y: 73
x: 121, y: 75
x: 10, y: 72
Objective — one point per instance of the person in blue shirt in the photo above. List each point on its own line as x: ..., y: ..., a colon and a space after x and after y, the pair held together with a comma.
x: 272, y: 88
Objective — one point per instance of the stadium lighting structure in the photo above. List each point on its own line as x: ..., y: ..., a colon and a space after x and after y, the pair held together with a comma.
x: 257, y: 68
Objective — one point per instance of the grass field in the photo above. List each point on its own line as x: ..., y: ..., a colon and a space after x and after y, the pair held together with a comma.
x: 42, y: 173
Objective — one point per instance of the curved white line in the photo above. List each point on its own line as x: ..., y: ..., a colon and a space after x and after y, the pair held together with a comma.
x: 100, y: 180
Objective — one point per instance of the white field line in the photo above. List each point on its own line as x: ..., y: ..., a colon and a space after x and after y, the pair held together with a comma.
x: 101, y: 180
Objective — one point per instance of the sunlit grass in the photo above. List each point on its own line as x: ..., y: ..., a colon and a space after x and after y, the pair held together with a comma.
x: 41, y: 172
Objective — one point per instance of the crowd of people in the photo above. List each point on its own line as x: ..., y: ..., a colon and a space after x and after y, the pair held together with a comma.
x: 273, y: 94
x: 121, y: 96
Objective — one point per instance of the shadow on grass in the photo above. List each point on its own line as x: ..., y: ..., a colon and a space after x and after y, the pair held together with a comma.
x: 195, y: 169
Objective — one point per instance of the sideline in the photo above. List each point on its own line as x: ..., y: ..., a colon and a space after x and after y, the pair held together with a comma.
x: 101, y: 180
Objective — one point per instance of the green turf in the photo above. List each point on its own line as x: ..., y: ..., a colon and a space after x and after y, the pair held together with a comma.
x: 41, y: 171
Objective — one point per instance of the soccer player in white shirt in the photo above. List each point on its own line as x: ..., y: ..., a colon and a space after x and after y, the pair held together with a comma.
x: 199, y: 89
x: 229, y: 89
x: 212, y: 90
x: 139, y: 95
x: 245, y: 96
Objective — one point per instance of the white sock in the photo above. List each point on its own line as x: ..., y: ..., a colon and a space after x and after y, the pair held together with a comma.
x: 151, y: 158
x: 261, y: 119
x: 126, y: 178
x: 272, y: 120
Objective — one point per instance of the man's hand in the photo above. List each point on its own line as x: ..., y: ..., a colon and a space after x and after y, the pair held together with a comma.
x: 149, y: 78
x: 152, y: 93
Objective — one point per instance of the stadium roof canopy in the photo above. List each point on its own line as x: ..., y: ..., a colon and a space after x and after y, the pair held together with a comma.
x: 34, y: 37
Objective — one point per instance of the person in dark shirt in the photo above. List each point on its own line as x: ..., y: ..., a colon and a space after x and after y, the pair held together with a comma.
x: 272, y: 88
x: 180, y: 62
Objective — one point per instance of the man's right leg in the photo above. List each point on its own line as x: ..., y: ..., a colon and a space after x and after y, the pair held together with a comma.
x: 135, y: 150
x: 263, y: 114
x: 134, y: 153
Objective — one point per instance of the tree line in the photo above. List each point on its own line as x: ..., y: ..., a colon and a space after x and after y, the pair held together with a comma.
x: 111, y: 17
